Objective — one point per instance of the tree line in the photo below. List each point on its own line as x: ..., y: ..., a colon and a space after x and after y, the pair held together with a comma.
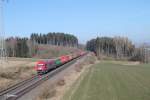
x: 118, y: 47
x: 55, y: 39
x: 17, y: 47
x: 142, y: 53
x: 28, y: 47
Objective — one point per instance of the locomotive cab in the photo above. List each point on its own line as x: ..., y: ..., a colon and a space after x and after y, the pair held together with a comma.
x: 41, y: 67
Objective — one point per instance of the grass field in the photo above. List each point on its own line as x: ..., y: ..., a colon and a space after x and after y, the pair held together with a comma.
x: 112, y: 81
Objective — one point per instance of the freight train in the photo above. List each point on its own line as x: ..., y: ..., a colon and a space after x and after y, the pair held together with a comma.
x: 44, y: 66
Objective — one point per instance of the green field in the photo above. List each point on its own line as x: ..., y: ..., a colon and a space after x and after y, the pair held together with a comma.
x: 109, y: 81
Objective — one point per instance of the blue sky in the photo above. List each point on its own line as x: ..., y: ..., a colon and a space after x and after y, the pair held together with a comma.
x: 84, y: 18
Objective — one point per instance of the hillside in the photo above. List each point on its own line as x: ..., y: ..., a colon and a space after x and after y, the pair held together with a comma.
x: 51, y: 51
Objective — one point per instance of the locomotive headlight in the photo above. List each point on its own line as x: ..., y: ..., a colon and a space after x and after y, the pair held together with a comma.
x: 40, y: 64
x: 40, y: 68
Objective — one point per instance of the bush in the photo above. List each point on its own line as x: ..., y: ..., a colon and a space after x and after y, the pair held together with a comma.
x: 78, y: 67
x: 61, y: 82
x: 47, y: 92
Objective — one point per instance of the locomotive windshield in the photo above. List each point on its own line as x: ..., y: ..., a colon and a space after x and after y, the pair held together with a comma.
x: 39, y: 65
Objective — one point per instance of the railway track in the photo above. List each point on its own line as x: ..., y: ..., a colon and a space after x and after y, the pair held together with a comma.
x: 18, y: 90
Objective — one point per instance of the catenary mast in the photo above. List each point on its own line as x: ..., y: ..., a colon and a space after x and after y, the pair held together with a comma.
x: 3, y: 56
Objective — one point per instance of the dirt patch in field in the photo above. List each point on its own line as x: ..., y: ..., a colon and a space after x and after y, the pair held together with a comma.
x: 127, y: 63
x: 132, y: 63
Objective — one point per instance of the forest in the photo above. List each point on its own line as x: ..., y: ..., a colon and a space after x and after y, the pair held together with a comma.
x: 117, y: 48
x: 55, y: 39
x: 27, y: 47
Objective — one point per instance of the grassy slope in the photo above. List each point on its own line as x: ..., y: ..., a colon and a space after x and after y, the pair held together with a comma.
x: 107, y: 81
x: 50, y: 51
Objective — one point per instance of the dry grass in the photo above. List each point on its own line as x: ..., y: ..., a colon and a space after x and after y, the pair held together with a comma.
x: 4, y: 83
x: 15, y: 71
x: 50, y: 91
x: 47, y: 92
x: 91, y: 62
x: 50, y: 51
x: 13, y: 75
x: 90, y: 59
x: 61, y: 82
x: 99, y: 58
x: 126, y: 63
x: 78, y: 67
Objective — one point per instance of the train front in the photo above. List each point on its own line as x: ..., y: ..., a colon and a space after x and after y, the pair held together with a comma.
x: 41, y: 67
